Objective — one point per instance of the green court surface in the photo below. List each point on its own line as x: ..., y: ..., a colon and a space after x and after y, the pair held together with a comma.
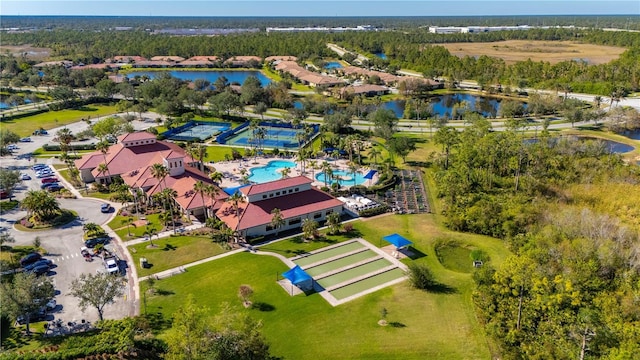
x: 367, y: 283
x: 353, y: 273
x: 319, y: 256
x: 339, y: 263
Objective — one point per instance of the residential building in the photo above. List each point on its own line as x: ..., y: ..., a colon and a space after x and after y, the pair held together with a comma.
x: 305, y: 76
x: 295, y: 197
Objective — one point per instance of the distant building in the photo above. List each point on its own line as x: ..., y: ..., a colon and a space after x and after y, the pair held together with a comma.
x: 321, y: 29
x: 295, y: 197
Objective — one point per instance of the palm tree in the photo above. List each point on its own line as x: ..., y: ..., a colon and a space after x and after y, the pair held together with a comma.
x: 277, y: 221
x: 170, y: 195
x: 285, y: 172
x: 200, y: 187
x: 236, y: 199
x: 40, y: 204
x: 374, y: 153
x: 128, y: 221
x: 103, y: 169
x: 103, y: 147
x: 216, y: 177
x: 91, y: 228
x: 150, y: 231
x: 353, y: 167
x: 333, y: 221
x: 309, y: 228
x: 198, y: 152
x: 327, y: 170
x: 212, y: 192
x: 597, y: 100
x: 335, y: 154
x: 159, y: 172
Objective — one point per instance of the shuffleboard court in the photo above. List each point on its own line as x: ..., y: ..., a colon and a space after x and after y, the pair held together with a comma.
x: 325, y: 254
x: 353, y: 273
x: 367, y: 283
x: 339, y: 263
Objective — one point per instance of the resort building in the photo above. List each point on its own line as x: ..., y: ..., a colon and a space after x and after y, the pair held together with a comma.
x: 295, y: 197
x: 125, y: 59
x: 305, y: 76
x: 132, y: 159
x: 173, y: 59
x: 200, y: 61
x: 243, y: 61
x: 363, y: 90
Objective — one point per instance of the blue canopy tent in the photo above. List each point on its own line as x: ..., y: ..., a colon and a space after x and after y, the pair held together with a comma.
x: 397, y: 240
x: 370, y: 174
x: 298, y: 277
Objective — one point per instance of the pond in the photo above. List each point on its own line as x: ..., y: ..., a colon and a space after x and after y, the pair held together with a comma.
x: 382, y: 56
x: 332, y: 65
x: 635, y: 135
x: 443, y: 105
x: 4, y: 105
x: 210, y: 75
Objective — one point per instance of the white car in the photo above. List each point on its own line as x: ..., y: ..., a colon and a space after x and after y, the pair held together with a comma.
x: 12, y: 147
x: 25, y: 177
x: 26, y: 139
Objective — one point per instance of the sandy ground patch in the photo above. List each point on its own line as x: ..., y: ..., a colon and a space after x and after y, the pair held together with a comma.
x: 29, y: 51
x: 552, y: 51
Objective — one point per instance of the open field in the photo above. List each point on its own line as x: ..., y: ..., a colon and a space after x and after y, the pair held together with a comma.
x: 34, y: 53
x: 552, y: 51
x: 51, y: 119
x: 423, y: 325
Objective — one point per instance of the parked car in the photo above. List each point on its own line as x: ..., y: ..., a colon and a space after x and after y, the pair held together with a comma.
x: 40, y: 270
x: 25, y: 177
x: 12, y: 147
x: 41, y: 262
x: 25, y: 139
x: 44, y: 175
x: 34, y: 317
x: 91, y: 243
x: 105, y: 208
x: 49, y: 180
x: 55, y: 187
x: 40, y: 132
x: 39, y: 166
x: 48, y: 185
x: 30, y: 259
x: 4, y: 194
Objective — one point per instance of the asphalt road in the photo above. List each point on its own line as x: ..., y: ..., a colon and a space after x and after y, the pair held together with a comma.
x: 62, y: 246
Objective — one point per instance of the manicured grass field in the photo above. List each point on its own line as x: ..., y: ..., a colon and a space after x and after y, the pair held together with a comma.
x: 454, y: 257
x: 325, y: 254
x: 48, y: 120
x: 367, y: 283
x: 173, y: 251
x: 136, y: 232
x: 341, y: 262
x: 429, y: 325
x: 353, y: 273
x: 217, y: 152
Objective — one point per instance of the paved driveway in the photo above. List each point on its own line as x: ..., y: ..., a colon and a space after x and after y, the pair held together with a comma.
x: 63, y: 248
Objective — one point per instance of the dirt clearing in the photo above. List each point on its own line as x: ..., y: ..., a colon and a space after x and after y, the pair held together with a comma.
x: 552, y: 51
x: 30, y: 52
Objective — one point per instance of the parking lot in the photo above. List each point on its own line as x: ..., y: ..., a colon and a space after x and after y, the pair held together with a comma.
x: 63, y: 246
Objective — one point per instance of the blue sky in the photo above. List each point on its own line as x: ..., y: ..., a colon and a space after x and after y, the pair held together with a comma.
x: 317, y: 7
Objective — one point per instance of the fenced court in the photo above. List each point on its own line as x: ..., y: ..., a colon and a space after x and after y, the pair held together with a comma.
x: 276, y: 135
x: 348, y: 270
x: 196, y: 130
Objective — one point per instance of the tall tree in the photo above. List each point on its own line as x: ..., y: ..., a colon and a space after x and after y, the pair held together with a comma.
x: 25, y: 295
x: 97, y: 290
x: 277, y: 221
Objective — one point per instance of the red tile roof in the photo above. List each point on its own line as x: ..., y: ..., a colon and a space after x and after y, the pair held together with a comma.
x: 275, y: 185
x: 138, y: 135
x: 291, y: 206
x: 167, y: 58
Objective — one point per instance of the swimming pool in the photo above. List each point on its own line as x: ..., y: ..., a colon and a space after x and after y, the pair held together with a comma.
x: 346, y: 178
x: 270, y: 172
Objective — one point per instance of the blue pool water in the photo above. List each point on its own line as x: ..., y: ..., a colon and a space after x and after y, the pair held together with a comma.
x: 270, y: 172
x: 211, y: 76
x: 382, y: 56
x: 332, y: 65
x: 346, y: 178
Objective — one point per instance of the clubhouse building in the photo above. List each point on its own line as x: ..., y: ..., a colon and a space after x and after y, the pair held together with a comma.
x: 294, y: 197
x: 132, y: 159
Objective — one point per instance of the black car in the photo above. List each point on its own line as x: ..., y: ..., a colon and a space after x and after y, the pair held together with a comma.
x: 40, y: 262
x: 37, y: 316
x: 95, y: 241
x: 54, y: 187
x: 40, y: 270
x: 48, y: 185
x: 30, y: 259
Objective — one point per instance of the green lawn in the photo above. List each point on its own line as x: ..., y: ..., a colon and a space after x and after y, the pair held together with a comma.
x: 48, y: 120
x: 429, y: 325
x: 217, y: 152
x: 173, y: 251
x: 136, y: 232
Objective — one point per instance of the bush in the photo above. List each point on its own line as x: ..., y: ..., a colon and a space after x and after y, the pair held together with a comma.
x: 373, y: 212
x: 420, y: 277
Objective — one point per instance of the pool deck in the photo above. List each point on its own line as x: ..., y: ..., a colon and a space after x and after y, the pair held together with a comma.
x: 232, y: 170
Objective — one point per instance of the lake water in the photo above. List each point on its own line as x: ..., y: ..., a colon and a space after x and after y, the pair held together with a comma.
x: 635, y: 135
x: 614, y: 147
x: 382, y: 56
x: 443, y: 105
x: 332, y: 65
x: 4, y: 105
x: 212, y: 76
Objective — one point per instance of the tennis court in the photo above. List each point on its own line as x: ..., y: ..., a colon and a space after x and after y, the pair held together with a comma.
x: 351, y: 269
x: 274, y: 137
x: 196, y: 130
